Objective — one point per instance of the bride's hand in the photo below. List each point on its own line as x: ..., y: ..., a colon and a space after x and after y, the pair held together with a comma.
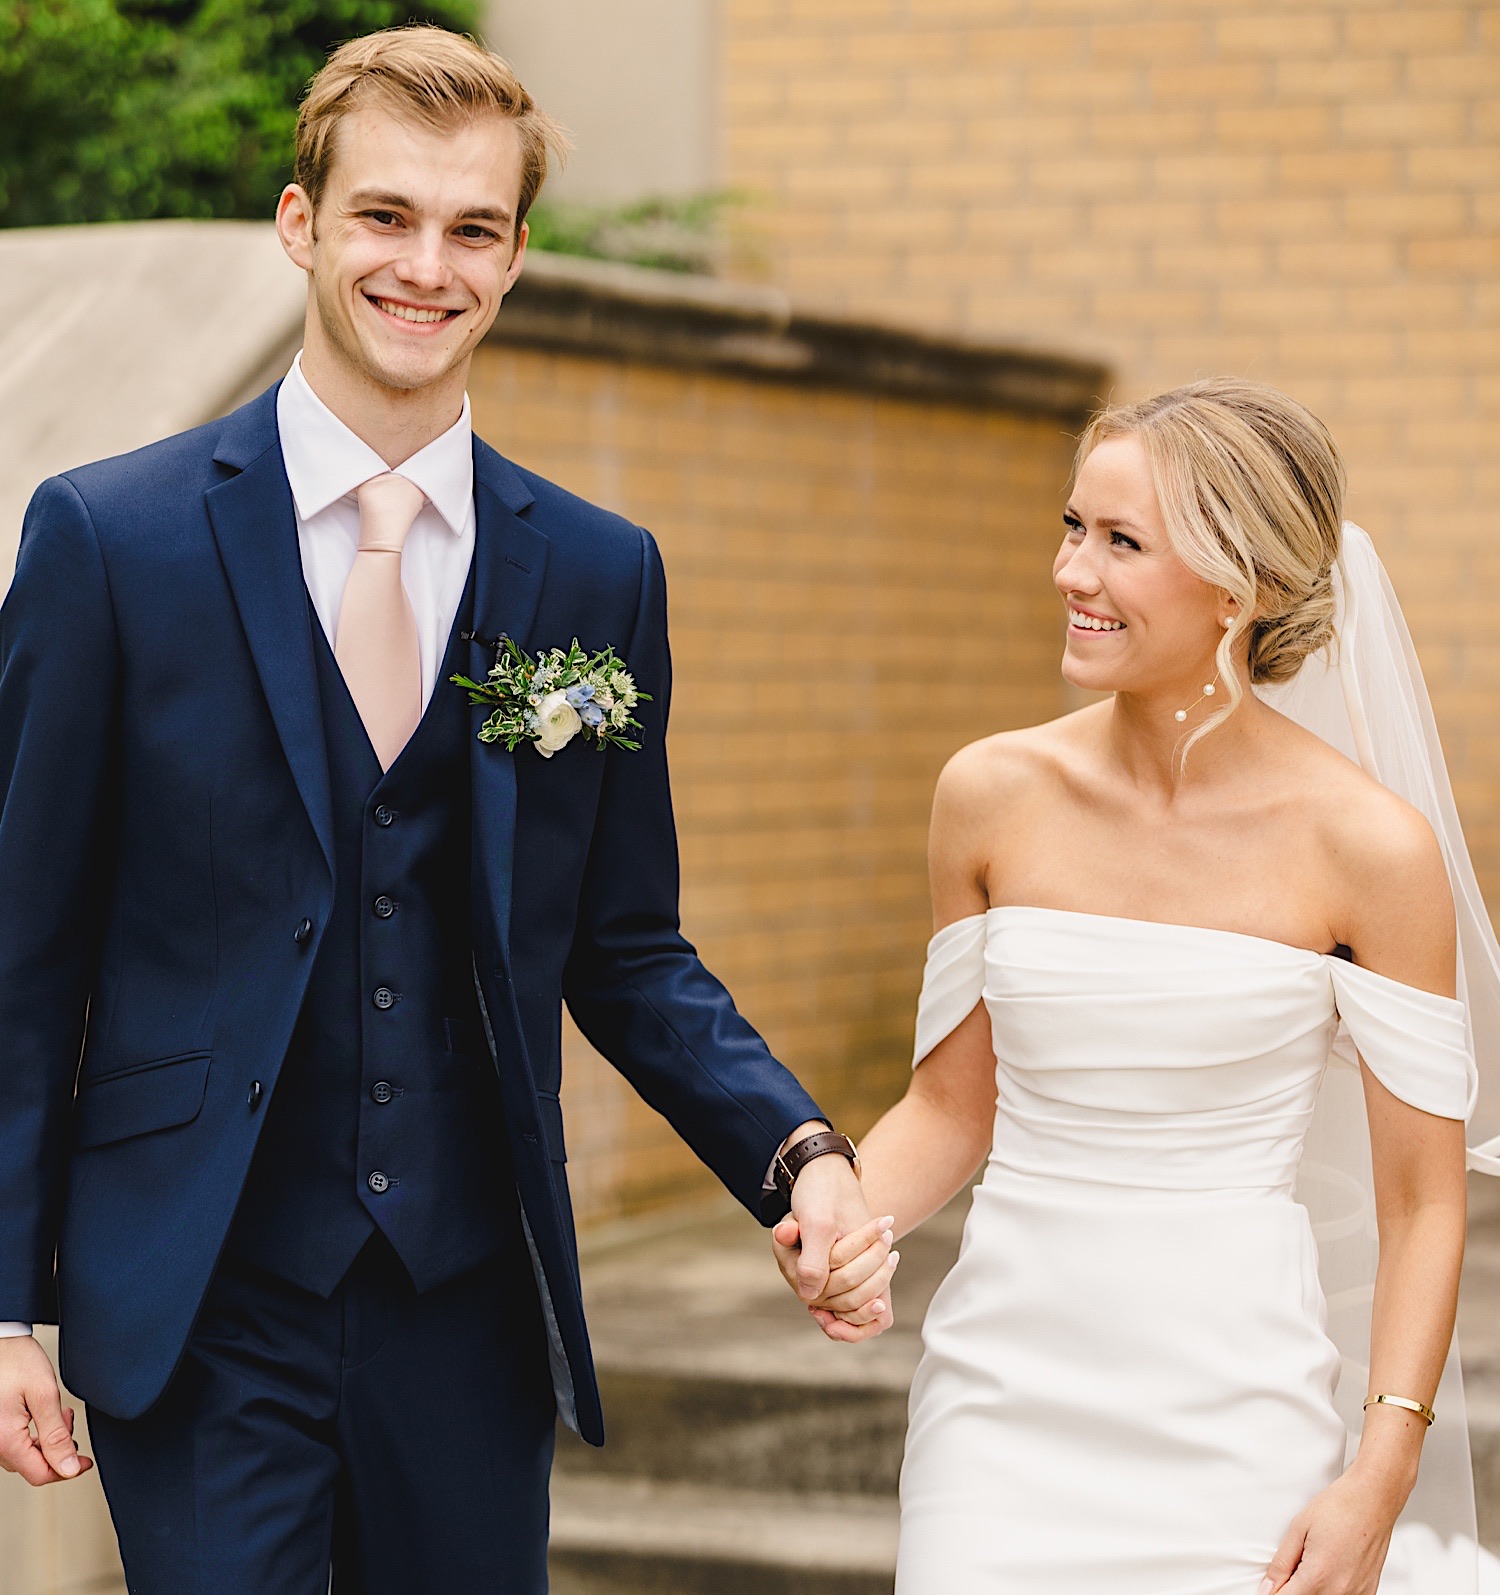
x: 1338, y: 1545
x: 855, y: 1303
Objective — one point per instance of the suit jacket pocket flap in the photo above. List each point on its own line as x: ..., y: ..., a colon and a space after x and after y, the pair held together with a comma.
x: 153, y: 1097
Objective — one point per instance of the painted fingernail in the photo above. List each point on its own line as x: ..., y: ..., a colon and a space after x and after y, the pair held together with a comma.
x: 877, y: 1306
x: 894, y: 1260
x: 887, y: 1221
x: 888, y: 1236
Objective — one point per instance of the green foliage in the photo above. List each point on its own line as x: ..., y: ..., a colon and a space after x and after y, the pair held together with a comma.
x: 673, y: 234
x: 127, y: 109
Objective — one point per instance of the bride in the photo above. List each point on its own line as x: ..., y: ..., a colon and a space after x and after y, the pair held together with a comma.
x: 1158, y: 920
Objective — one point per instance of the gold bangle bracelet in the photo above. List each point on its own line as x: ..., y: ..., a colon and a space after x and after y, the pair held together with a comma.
x: 1406, y: 1403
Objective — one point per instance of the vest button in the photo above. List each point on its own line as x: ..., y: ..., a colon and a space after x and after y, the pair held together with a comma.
x: 382, y: 1091
x: 379, y: 1183
x: 384, y: 998
x: 303, y: 931
x: 383, y: 815
x: 384, y: 907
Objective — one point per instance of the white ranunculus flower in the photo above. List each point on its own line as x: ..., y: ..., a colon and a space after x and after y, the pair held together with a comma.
x: 558, y: 722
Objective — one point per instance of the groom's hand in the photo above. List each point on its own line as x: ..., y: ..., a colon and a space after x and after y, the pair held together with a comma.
x: 828, y: 1206
x: 856, y: 1305
x: 36, y: 1430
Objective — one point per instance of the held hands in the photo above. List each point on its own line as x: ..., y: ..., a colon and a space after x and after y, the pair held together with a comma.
x: 834, y: 1255
x: 30, y: 1401
x: 854, y: 1304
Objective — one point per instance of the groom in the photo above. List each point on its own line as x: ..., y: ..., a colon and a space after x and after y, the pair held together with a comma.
x: 301, y: 1208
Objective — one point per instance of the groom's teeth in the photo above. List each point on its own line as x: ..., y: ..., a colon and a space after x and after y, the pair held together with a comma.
x: 410, y: 312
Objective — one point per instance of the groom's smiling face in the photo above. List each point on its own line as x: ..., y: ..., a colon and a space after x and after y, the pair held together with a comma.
x: 413, y: 243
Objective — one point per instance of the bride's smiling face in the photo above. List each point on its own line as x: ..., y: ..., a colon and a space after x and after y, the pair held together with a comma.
x: 1138, y: 619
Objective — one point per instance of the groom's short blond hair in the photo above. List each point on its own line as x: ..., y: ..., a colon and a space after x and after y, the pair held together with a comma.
x: 428, y: 75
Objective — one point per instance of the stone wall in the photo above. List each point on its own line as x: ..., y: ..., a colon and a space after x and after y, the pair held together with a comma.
x: 1306, y: 191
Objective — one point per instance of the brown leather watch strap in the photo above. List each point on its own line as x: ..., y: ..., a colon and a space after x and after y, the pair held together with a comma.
x: 790, y: 1164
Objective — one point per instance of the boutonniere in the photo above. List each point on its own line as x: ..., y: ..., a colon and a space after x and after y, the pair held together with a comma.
x: 562, y: 694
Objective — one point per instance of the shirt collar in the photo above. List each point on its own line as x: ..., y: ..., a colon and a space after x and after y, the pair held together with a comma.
x: 325, y: 461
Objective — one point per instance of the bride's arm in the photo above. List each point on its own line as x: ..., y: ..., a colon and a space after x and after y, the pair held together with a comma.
x: 1399, y: 923
x: 919, y: 1156
x: 922, y: 1151
x: 925, y: 1149
x: 1420, y: 1208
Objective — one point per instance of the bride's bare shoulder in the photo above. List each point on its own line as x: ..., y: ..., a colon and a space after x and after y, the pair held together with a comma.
x: 984, y: 797
x: 1383, y: 853
x: 994, y: 774
x: 1355, y: 815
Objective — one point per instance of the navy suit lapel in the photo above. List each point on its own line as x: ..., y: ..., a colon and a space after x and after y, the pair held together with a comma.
x: 510, y: 561
x: 255, y: 524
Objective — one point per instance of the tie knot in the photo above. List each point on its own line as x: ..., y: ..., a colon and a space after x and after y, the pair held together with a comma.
x: 388, y: 505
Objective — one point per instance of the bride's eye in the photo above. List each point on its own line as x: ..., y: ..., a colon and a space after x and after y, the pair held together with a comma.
x: 1073, y: 525
x: 1120, y: 540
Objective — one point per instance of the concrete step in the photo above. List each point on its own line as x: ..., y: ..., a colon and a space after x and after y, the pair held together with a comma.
x: 614, y: 1536
x: 745, y: 1434
x: 713, y: 1375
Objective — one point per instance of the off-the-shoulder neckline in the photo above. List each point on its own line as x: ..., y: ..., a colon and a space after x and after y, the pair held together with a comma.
x: 1202, y: 930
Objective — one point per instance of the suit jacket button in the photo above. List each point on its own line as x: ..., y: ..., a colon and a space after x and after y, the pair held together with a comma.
x: 379, y: 1183
x: 253, y: 1099
x: 384, y: 907
x: 303, y: 931
x: 384, y: 998
x: 383, y: 815
x: 381, y: 1091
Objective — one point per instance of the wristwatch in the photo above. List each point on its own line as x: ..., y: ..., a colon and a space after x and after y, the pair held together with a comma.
x: 790, y: 1164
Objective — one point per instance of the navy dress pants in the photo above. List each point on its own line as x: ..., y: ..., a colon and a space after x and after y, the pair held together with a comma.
x: 401, y: 1441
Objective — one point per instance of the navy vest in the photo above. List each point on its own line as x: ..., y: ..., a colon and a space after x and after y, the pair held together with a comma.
x: 387, y: 1111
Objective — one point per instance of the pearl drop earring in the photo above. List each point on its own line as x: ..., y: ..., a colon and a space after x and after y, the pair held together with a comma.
x: 1208, y: 692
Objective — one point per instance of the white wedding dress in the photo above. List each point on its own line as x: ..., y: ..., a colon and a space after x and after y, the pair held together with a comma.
x: 1128, y: 1385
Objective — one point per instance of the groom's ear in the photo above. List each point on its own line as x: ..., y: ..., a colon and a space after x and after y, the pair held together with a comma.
x: 294, y: 224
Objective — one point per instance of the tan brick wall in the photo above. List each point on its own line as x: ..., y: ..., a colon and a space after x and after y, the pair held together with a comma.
x: 1304, y: 192
x: 858, y: 586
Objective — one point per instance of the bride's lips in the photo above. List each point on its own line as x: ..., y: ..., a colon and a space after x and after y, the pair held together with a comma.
x: 1079, y: 618
x: 410, y: 316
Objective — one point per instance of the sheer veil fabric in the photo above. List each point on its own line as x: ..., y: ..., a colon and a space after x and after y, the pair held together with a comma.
x: 1366, y: 696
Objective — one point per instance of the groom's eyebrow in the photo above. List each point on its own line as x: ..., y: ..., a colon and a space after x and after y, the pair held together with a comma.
x: 381, y: 196
x: 485, y: 213
x: 386, y: 197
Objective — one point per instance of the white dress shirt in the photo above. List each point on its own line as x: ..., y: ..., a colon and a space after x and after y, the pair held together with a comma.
x: 325, y: 462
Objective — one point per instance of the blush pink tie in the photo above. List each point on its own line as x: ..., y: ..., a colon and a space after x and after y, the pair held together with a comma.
x: 375, y: 641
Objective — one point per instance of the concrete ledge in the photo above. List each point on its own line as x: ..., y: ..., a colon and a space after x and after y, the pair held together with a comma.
x: 133, y: 330
x: 664, y: 318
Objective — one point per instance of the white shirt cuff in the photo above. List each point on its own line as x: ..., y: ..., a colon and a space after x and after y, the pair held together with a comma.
x: 13, y: 1331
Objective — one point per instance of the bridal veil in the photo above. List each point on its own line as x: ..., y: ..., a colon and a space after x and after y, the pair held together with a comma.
x: 1366, y: 696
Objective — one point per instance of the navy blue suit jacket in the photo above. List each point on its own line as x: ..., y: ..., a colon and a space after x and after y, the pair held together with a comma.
x: 165, y: 827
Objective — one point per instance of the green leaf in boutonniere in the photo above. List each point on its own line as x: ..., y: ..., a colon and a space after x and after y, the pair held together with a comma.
x: 561, y: 694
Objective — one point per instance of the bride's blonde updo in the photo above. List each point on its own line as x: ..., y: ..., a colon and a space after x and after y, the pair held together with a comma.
x: 1251, y: 488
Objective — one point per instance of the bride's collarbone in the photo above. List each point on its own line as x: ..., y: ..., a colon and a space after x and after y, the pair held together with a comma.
x: 1278, y: 892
